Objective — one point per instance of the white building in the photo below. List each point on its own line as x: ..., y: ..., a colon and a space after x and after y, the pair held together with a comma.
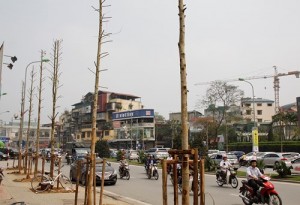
x: 264, y: 109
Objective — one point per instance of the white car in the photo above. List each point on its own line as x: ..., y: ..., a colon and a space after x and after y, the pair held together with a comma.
x: 296, y: 166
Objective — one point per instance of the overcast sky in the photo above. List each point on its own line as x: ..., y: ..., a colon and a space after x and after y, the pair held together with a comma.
x: 225, y: 39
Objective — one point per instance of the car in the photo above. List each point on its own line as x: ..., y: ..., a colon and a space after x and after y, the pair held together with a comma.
x: 158, y: 153
x: 295, y: 155
x: 251, y: 155
x: 113, y: 153
x: 237, y: 153
x: 295, y: 164
x: 270, y: 159
x: 132, y: 155
x: 232, y: 158
x: 12, y: 153
x: 110, y: 175
x: 3, y: 156
x: 212, y: 151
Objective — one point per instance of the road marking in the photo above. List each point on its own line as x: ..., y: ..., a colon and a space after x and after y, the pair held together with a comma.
x: 124, y: 197
x: 234, y: 195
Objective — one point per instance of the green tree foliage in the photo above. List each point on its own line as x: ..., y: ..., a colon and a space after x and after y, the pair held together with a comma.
x: 102, y: 149
x: 282, y: 169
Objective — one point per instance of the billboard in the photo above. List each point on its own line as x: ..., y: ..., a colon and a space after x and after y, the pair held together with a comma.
x: 142, y: 113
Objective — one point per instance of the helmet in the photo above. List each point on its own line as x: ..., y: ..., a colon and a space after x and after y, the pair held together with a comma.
x: 224, y: 156
x: 253, y: 159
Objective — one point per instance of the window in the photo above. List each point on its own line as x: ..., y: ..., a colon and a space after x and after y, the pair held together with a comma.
x: 270, y: 104
x: 106, y: 133
x: 259, y: 112
x: 248, y: 112
x: 259, y: 120
x: 247, y: 104
x: 259, y: 104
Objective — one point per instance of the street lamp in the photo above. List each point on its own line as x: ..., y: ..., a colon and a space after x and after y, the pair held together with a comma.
x: 254, y: 129
x: 253, y: 107
x: 22, y: 109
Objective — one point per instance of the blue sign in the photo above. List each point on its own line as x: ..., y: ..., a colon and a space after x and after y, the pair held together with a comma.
x: 4, y: 139
x: 149, y: 113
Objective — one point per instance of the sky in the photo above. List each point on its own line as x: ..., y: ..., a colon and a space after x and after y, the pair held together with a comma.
x: 224, y: 40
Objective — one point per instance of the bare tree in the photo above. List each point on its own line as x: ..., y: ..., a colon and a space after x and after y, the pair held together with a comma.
x: 101, y: 36
x: 39, y: 114
x: 225, y: 95
x: 55, y: 86
x: 32, y: 75
x: 184, y: 120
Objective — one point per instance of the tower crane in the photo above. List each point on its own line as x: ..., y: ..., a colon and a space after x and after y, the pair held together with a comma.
x: 276, y: 82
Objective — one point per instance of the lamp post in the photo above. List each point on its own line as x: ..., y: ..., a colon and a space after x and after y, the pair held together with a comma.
x: 22, y: 109
x: 253, y: 107
x: 254, y: 129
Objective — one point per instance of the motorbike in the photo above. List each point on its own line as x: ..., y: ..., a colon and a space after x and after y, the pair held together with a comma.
x: 124, y: 172
x: 1, y: 175
x: 191, y: 179
x: 69, y: 159
x: 178, y: 174
x: 231, y: 179
x: 152, y: 171
x: 267, y: 194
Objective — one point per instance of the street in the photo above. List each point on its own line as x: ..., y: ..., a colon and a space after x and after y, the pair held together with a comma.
x: 143, y: 191
x: 150, y: 191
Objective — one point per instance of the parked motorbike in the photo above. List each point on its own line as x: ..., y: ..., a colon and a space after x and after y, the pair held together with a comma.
x: 231, y: 179
x: 124, y: 172
x: 152, y: 171
x: 1, y: 175
x: 267, y: 195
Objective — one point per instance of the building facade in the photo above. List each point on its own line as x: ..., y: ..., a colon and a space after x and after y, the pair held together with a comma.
x: 264, y: 109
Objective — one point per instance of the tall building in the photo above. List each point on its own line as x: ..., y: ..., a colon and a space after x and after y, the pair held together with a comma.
x: 112, y: 119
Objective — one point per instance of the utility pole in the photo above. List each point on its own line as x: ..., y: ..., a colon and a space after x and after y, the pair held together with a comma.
x: 185, y: 145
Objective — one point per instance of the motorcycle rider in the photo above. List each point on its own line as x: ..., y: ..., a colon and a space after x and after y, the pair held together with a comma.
x: 123, y: 163
x: 253, y: 174
x: 150, y: 163
x: 224, y: 165
x: 169, y: 166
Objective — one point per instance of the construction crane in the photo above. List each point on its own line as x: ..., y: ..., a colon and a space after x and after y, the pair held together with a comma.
x: 276, y: 82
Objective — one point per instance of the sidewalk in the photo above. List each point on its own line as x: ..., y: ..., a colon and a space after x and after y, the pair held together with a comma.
x: 11, y: 192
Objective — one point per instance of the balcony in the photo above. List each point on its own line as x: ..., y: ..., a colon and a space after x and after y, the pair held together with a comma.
x: 113, y: 106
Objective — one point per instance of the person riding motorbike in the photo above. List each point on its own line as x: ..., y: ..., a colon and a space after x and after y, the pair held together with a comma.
x: 123, y: 163
x: 224, y: 166
x: 150, y: 163
x: 253, y: 174
x: 169, y: 166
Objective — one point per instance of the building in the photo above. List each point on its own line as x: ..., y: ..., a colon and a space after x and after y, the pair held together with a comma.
x: 11, y: 130
x: 109, y: 104
x: 264, y: 109
x: 176, y: 116
x: 134, y: 129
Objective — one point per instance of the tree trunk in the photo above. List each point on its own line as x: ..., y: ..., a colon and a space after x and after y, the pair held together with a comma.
x: 185, y: 145
x: 95, y: 103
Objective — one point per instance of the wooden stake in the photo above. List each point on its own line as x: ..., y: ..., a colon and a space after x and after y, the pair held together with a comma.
x: 102, y: 181
x: 164, y: 180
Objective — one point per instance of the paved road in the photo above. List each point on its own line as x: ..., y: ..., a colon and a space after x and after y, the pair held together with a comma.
x: 150, y: 191
x: 144, y: 191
